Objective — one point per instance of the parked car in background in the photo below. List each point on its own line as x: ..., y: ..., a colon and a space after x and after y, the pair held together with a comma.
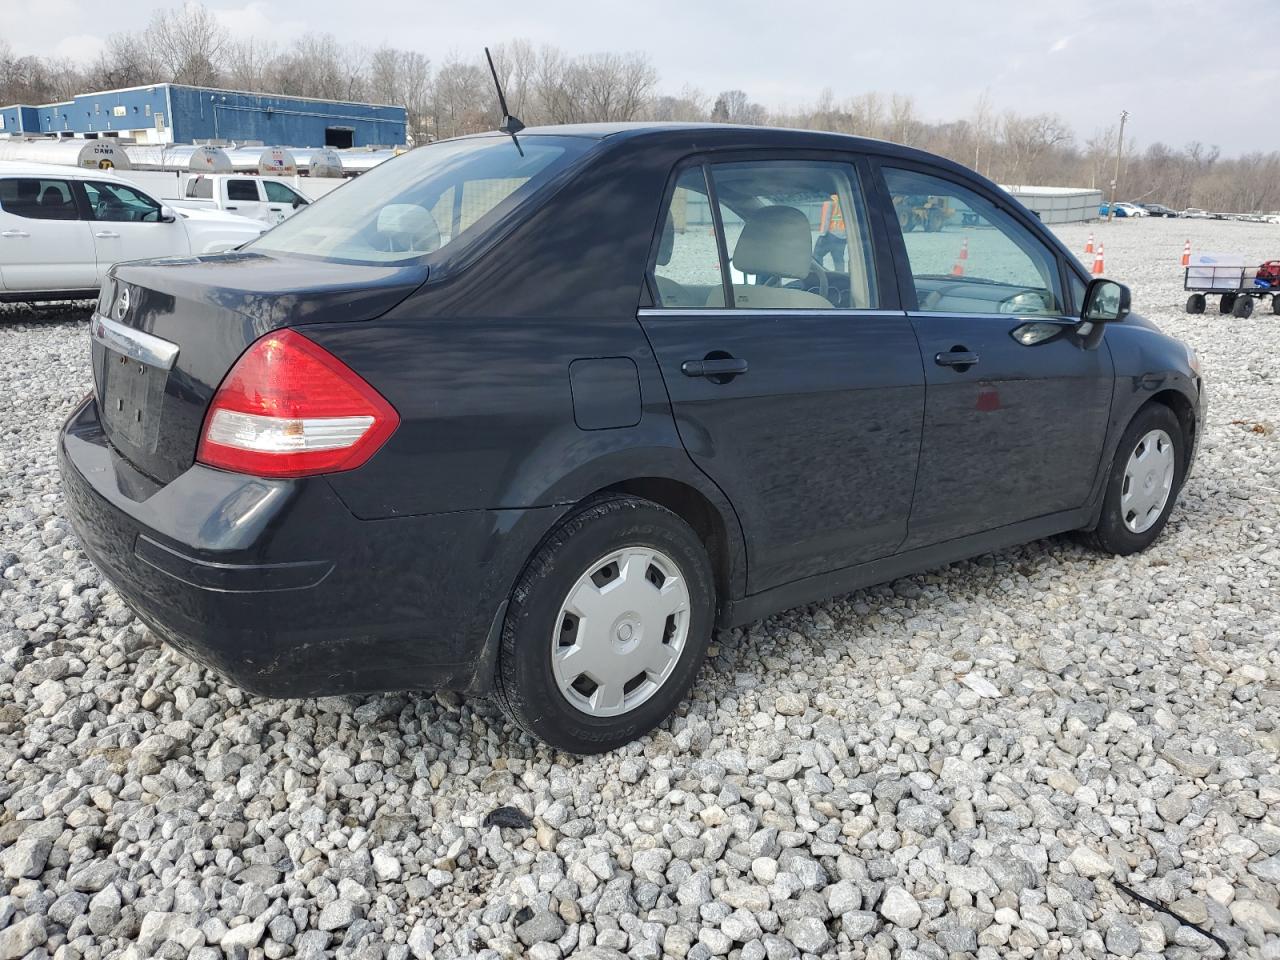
x: 1158, y: 209
x: 1123, y: 210
x: 268, y: 199
x: 533, y: 416
x: 1194, y: 213
x: 62, y: 228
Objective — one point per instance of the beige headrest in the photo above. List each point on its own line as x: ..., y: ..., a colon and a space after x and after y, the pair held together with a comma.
x: 775, y: 240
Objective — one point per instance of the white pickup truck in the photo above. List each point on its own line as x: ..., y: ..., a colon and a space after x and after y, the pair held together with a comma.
x: 62, y: 228
x: 268, y: 199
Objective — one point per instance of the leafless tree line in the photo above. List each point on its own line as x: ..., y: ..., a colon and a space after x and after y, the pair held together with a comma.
x: 545, y: 84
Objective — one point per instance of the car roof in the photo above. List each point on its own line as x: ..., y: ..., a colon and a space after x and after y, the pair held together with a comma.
x: 725, y: 136
x: 26, y: 168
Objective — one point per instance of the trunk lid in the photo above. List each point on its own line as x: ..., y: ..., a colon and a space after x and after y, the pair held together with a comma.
x: 167, y: 331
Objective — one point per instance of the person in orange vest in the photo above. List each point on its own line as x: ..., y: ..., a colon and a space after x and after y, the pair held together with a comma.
x: 832, y: 236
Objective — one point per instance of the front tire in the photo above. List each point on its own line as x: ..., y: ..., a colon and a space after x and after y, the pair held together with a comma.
x: 1195, y: 303
x: 1146, y: 476
x: 607, y: 626
x: 1226, y: 302
x: 1242, y: 309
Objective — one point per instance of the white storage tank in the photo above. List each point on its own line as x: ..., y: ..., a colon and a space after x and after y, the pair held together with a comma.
x: 323, y: 163
x: 69, y: 152
x: 265, y: 161
x: 183, y: 158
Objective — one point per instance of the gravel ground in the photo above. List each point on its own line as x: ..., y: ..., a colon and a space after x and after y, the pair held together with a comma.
x: 979, y: 760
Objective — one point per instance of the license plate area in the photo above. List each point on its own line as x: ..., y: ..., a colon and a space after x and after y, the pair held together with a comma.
x: 132, y: 400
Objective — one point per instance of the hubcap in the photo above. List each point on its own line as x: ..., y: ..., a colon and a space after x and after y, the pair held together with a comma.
x: 1148, y: 481
x: 620, y: 631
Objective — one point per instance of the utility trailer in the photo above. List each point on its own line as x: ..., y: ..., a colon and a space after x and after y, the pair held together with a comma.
x: 1236, y: 286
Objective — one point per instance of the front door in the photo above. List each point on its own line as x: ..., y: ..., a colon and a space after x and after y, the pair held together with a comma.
x: 244, y: 198
x: 796, y: 386
x: 1017, y: 407
x: 127, y: 226
x: 45, y: 245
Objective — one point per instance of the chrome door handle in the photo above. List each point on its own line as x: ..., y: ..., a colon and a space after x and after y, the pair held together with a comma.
x: 15, y: 234
x: 712, y: 367
x: 107, y: 235
x: 956, y: 358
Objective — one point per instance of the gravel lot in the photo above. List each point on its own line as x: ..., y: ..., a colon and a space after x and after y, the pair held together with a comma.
x: 971, y: 761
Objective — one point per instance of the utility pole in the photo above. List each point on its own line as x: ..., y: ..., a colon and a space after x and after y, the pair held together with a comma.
x: 1111, y: 207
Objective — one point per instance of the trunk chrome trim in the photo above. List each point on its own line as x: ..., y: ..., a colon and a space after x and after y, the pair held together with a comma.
x: 135, y: 344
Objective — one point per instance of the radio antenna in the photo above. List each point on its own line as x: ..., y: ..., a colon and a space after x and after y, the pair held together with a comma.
x: 510, y: 125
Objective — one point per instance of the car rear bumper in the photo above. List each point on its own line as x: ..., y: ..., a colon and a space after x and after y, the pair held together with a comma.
x: 277, y: 586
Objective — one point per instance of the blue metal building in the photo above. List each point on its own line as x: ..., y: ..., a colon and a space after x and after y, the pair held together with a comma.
x: 175, y: 113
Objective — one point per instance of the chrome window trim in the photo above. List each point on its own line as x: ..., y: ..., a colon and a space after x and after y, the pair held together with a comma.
x: 766, y: 312
x: 135, y: 344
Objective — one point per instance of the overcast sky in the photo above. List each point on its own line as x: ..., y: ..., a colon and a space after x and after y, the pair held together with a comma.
x: 1185, y: 69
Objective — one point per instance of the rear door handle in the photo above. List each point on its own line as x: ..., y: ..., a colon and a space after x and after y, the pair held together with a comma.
x: 232, y: 208
x: 956, y: 358
x: 726, y: 367
x: 107, y: 235
x: 15, y: 234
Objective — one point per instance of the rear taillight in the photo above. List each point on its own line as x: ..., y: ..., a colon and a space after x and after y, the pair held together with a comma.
x: 290, y: 408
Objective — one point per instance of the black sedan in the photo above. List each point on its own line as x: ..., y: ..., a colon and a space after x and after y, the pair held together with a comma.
x: 533, y: 416
x: 1158, y: 210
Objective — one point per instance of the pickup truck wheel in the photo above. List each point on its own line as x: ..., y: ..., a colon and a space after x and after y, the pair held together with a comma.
x: 1146, y: 476
x: 607, y: 626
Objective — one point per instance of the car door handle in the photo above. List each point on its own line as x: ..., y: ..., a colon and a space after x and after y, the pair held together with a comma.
x: 107, y: 235
x: 956, y: 358
x: 15, y: 234
x: 723, y: 367
x: 232, y: 208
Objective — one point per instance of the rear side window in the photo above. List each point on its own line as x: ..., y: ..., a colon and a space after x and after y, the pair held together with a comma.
x: 428, y: 199
x: 687, y: 270
x: 201, y: 189
x: 242, y: 190
x: 38, y: 198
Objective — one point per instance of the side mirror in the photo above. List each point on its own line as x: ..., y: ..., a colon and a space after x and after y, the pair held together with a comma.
x: 167, y: 215
x: 1105, y: 301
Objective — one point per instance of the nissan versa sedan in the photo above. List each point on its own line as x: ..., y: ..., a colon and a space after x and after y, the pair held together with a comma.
x: 532, y: 416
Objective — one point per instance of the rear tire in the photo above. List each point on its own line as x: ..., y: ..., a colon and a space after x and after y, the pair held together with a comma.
x: 568, y: 680
x: 1132, y: 513
x: 1196, y: 303
x: 1243, y: 308
x: 1226, y: 302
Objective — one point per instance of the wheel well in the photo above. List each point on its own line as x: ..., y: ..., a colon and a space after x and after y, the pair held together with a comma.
x: 1185, y: 413
x: 694, y: 509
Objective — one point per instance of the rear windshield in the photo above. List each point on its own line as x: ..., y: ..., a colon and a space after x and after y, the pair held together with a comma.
x: 421, y: 202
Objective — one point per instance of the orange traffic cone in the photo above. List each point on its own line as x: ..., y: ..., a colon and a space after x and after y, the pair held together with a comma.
x: 961, y: 257
x: 1186, y: 254
x: 1088, y: 244
x: 1098, y: 268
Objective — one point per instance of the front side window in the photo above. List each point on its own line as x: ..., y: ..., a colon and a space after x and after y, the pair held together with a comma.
x: 38, y: 198
x: 425, y: 200
x: 242, y: 190
x: 279, y: 193
x: 796, y: 235
x: 120, y: 204
x: 967, y: 256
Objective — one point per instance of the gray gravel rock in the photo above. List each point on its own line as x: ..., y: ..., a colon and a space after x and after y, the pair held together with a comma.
x: 961, y: 762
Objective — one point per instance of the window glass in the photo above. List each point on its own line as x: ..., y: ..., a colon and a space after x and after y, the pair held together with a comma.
x: 120, y: 204
x: 242, y: 190
x: 38, y: 198
x: 397, y: 212
x: 968, y: 257
x: 796, y: 233
x: 201, y: 189
x: 279, y: 193
x: 687, y: 270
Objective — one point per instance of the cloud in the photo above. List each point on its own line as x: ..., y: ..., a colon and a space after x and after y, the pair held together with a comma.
x: 258, y: 21
x: 1061, y: 43
x: 81, y: 47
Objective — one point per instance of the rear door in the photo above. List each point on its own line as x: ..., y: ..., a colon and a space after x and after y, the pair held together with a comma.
x: 243, y: 197
x: 1017, y: 408
x: 44, y: 243
x: 798, y: 389
x: 127, y: 225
